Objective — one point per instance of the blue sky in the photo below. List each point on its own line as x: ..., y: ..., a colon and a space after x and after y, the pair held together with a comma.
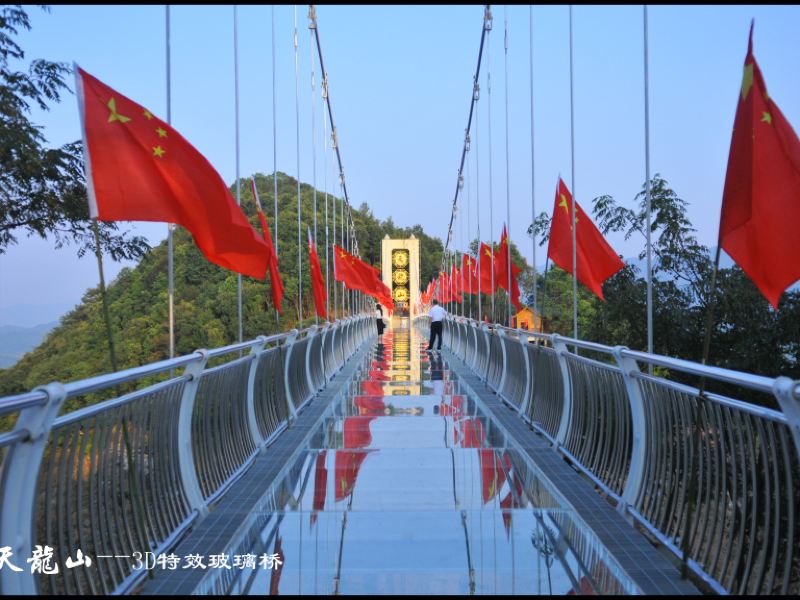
x: 400, y: 83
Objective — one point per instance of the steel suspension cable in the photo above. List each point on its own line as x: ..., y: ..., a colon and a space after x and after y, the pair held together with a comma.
x: 335, y: 143
x: 274, y: 158
x: 170, y: 226
x: 297, y: 122
x: 533, y: 188
x: 574, y: 193
x: 238, y: 182
x: 508, y: 176
x: 311, y: 25
x: 487, y: 25
x: 647, y: 192
x: 323, y: 85
x: 491, y: 196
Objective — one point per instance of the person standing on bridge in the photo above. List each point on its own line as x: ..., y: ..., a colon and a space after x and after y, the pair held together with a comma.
x: 437, y: 315
x: 379, y: 318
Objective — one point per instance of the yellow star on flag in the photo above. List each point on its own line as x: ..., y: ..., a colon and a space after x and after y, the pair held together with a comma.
x: 147, y: 114
x: 115, y: 116
x: 161, y: 133
x: 766, y: 118
x: 747, y: 80
x: 158, y: 151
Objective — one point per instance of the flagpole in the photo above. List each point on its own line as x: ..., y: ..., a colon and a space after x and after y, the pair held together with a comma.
x: 238, y: 191
x: 133, y: 480
x: 533, y: 190
x: 297, y: 122
x: 508, y: 177
x: 647, y: 193
x: 692, y: 489
x: 274, y: 156
x: 170, y: 226
x: 572, y: 149
x: 544, y: 294
x: 311, y: 25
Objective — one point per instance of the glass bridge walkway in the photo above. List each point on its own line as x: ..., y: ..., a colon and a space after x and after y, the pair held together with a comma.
x: 406, y: 484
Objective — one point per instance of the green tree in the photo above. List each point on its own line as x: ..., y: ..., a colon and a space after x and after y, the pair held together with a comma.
x: 42, y: 190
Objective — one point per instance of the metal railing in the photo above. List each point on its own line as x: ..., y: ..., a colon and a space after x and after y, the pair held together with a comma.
x: 133, y: 473
x: 665, y: 453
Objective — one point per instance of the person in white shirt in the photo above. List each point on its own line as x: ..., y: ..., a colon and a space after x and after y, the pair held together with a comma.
x: 437, y: 315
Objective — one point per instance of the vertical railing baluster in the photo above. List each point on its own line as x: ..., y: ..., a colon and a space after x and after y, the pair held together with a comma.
x: 566, y: 411
x: 635, y: 479
x: 255, y: 432
x: 186, y: 464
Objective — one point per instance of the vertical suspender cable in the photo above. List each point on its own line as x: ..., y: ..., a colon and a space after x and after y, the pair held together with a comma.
x: 311, y: 26
x: 491, y: 197
x: 533, y: 190
x: 327, y: 236
x: 508, y: 177
x: 467, y: 247
x: 574, y: 193
x: 238, y: 183
x: 274, y: 154
x: 647, y: 193
x: 479, y: 258
x: 170, y: 226
x: 297, y: 122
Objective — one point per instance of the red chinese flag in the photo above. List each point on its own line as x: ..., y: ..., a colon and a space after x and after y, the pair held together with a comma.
x: 455, y: 284
x: 356, y: 432
x: 317, y: 280
x: 320, y: 485
x: 444, y: 288
x: 485, y: 263
x: 346, y: 466
x: 272, y: 257
x: 369, y: 406
x: 596, y: 260
x: 468, y: 266
x: 492, y: 474
x: 345, y: 271
x: 372, y: 388
x: 761, y: 201
x: 138, y: 168
x: 501, y: 271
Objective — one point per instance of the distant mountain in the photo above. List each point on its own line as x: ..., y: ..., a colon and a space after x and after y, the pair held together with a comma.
x: 16, y: 341
x: 31, y: 314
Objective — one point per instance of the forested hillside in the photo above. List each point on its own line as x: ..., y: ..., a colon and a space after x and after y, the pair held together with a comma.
x: 205, y: 294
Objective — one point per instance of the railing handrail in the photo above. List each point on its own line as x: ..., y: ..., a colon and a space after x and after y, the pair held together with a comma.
x: 759, y: 383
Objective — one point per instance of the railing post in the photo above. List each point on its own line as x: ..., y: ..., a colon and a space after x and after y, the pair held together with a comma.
x: 19, y: 479
x: 523, y: 342
x: 311, y: 385
x: 255, y: 433
x: 484, y: 374
x: 784, y: 390
x: 501, y: 335
x: 561, y: 353
x: 633, y: 483
x: 191, y: 485
x: 289, y: 400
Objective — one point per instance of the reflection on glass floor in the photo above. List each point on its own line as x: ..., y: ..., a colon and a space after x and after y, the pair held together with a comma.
x: 408, y: 487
